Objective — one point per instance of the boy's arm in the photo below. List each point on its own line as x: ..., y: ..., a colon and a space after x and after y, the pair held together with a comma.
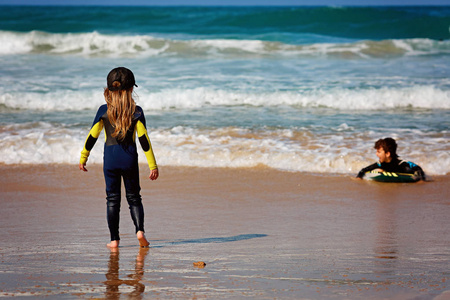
x: 367, y: 169
x: 412, y: 168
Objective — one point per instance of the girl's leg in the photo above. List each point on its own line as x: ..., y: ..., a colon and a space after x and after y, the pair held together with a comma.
x: 136, y: 210
x: 113, y: 181
x: 113, y: 215
x: 131, y: 181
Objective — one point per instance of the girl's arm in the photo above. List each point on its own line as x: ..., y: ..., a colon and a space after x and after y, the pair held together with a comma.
x: 92, y: 137
x: 90, y: 141
x: 146, y: 145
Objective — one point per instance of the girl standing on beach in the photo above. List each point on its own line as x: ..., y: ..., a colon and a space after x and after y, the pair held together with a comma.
x: 122, y: 119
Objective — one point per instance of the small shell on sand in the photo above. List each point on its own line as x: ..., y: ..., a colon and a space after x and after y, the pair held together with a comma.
x: 200, y: 264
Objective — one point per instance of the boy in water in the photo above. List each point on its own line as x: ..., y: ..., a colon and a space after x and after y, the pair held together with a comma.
x: 389, y: 162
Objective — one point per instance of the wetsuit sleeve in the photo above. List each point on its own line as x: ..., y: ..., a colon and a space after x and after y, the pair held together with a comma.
x: 144, y: 140
x: 367, y: 169
x: 412, y: 168
x: 92, y: 137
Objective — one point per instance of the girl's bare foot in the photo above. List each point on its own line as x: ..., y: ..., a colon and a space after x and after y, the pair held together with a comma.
x: 142, y: 240
x: 113, y: 244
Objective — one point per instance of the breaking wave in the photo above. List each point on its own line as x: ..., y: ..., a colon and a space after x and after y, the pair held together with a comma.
x: 421, y: 97
x: 102, y: 45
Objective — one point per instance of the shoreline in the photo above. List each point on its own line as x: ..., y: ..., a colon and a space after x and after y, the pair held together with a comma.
x: 259, y: 168
x: 262, y: 233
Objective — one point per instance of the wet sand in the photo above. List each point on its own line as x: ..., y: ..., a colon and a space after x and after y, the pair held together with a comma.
x: 262, y: 233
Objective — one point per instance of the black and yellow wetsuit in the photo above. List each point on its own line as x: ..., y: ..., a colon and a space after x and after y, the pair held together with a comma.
x: 120, y: 160
x: 396, y: 166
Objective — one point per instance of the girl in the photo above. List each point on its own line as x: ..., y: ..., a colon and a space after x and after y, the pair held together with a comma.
x: 122, y: 119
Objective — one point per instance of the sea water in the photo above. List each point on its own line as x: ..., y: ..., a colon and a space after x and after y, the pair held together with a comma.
x: 303, y: 89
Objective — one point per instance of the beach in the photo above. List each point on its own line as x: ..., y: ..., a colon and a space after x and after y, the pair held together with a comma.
x: 262, y: 233
x: 259, y: 119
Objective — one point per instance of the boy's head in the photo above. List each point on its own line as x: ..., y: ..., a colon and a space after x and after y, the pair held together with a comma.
x: 386, y: 149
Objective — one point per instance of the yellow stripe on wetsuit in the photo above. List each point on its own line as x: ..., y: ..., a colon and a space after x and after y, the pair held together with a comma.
x: 146, y: 145
x: 90, y: 141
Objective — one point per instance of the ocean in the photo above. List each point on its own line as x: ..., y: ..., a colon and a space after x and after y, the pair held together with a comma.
x: 301, y: 89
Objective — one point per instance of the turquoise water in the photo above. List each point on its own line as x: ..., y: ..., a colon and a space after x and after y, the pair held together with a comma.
x: 299, y: 89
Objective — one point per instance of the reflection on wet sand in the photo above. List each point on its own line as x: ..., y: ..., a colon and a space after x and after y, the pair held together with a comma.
x: 386, y: 248
x: 113, y: 282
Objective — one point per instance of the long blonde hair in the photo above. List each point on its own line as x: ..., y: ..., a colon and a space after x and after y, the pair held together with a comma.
x: 121, y: 108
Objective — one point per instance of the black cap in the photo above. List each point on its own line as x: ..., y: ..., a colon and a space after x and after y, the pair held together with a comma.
x: 122, y: 75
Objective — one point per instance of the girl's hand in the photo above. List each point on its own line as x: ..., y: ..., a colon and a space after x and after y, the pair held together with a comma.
x: 83, y: 167
x: 154, y: 174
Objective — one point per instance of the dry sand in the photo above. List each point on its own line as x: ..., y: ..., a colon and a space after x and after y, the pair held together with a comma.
x: 262, y: 234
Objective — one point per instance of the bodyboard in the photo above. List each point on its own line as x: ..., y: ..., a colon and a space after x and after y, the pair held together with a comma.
x: 391, y: 177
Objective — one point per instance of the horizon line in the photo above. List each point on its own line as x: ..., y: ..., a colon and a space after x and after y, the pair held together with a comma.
x: 224, y: 5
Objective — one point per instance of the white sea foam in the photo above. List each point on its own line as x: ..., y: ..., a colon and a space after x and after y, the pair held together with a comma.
x: 250, y: 46
x: 58, y: 100
x: 371, y: 99
x: 37, y: 143
x: 427, y: 97
x: 14, y: 43
x: 86, y: 44
x: 298, y: 150
x: 96, y: 44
